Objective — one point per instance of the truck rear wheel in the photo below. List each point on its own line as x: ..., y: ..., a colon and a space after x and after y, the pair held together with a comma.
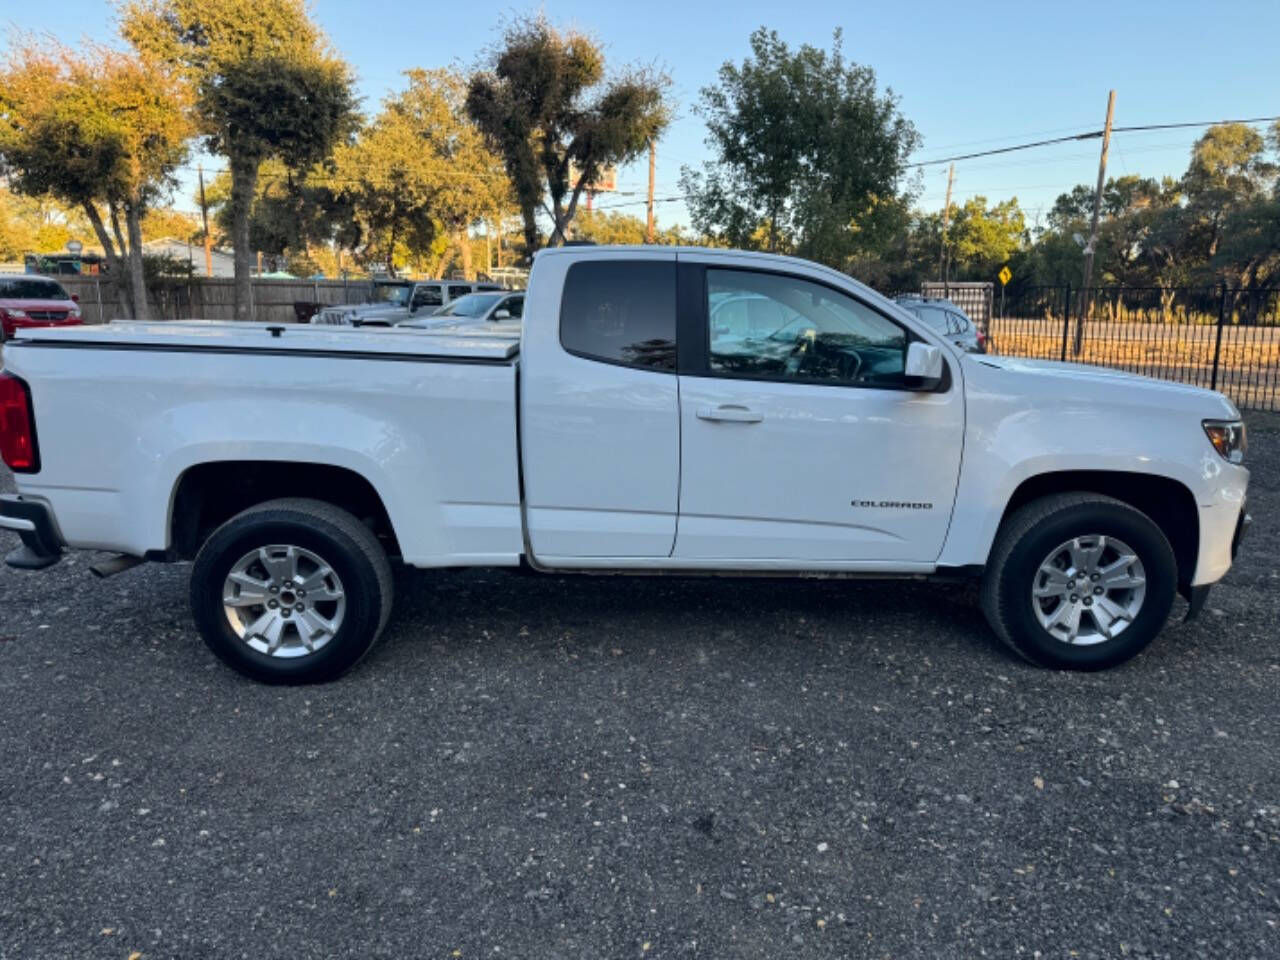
x: 291, y: 591
x: 1079, y: 581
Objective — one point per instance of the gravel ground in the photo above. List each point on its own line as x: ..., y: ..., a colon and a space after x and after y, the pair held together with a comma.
x: 598, y: 768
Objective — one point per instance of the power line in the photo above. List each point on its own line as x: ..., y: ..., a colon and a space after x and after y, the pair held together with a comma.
x: 1089, y: 135
x: 1012, y: 136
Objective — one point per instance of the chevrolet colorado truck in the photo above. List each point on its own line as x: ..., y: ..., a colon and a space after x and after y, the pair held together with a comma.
x: 682, y: 411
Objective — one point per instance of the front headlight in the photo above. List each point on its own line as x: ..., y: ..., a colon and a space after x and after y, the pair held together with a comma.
x: 1228, y: 438
x: 18, y: 314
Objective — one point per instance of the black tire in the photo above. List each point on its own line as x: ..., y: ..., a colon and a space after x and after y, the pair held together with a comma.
x: 345, y: 544
x: 1029, y: 534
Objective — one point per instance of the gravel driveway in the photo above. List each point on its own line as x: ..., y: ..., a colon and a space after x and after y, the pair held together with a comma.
x: 603, y: 767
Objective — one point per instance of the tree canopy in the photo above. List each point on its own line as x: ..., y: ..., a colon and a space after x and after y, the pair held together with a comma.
x: 421, y: 171
x: 1220, y: 221
x: 616, y: 227
x: 809, y: 156
x: 100, y: 130
x: 266, y: 85
x: 547, y: 108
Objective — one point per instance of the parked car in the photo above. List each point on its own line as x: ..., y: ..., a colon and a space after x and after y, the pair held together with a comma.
x: 28, y: 301
x: 394, y: 301
x: 623, y: 430
x: 475, y: 309
x: 948, y: 319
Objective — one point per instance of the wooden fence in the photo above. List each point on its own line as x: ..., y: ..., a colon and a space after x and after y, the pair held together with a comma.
x: 204, y: 298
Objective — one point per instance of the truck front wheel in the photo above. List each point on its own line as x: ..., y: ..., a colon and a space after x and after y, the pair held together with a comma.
x: 291, y: 591
x: 1079, y: 581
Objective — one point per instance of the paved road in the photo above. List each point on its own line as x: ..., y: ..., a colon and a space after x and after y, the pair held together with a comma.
x: 599, y: 768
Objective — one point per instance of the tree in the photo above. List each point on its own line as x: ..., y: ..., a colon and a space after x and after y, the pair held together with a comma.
x: 37, y: 225
x: 1215, y: 223
x: 471, y: 182
x: 981, y: 240
x: 165, y: 223
x: 266, y: 86
x: 17, y: 234
x: 98, y: 128
x: 604, y: 226
x: 1229, y: 180
x: 809, y: 156
x: 389, y: 182
x: 548, y: 110
x: 294, y: 216
x: 422, y: 172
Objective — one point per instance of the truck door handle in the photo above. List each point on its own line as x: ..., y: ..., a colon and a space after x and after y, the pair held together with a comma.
x: 730, y: 412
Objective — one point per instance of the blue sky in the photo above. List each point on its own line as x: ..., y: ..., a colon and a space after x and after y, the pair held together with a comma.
x: 971, y: 77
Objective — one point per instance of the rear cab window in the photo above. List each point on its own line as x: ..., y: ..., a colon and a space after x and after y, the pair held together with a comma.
x: 621, y: 312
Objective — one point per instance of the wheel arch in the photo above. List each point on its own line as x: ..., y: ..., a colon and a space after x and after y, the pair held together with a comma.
x: 207, y: 494
x: 1168, y: 502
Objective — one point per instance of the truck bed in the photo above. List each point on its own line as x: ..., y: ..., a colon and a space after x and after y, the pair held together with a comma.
x: 124, y: 410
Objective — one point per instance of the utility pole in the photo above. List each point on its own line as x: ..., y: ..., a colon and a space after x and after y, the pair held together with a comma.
x: 648, y: 230
x: 204, y: 217
x: 946, y: 219
x: 1085, y: 293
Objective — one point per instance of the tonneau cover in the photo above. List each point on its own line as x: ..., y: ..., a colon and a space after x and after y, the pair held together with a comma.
x: 304, y: 338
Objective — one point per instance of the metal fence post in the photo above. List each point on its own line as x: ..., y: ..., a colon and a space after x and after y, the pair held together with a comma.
x: 1066, y: 321
x: 1217, y: 343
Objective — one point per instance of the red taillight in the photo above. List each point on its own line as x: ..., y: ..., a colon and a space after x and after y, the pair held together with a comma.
x: 17, y: 426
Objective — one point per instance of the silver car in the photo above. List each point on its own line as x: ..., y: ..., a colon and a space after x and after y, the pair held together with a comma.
x: 473, y: 310
x: 394, y: 301
x: 947, y: 319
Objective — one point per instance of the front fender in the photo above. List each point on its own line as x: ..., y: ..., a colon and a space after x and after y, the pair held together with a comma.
x: 1014, y: 433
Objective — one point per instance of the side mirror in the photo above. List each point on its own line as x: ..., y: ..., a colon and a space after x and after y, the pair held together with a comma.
x: 924, y: 366
x: 502, y: 314
x: 75, y: 298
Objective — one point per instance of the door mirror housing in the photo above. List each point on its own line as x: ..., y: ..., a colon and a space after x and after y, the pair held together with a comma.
x: 925, y: 366
x: 502, y: 313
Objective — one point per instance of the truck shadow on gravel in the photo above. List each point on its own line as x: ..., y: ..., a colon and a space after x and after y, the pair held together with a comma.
x: 509, y: 611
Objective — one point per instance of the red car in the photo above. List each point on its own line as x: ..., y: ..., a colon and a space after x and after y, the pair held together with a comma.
x: 32, y: 301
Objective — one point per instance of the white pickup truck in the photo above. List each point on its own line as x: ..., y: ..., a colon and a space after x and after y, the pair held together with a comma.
x: 663, y: 410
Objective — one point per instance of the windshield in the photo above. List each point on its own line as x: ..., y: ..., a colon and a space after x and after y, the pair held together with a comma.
x: 472, y: 305
x: 393, y: 293
x: 31, y: 288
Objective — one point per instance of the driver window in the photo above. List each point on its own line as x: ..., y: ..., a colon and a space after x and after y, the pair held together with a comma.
x: 777, y: 327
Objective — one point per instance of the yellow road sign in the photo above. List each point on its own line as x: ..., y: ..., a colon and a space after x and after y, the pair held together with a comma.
x: 1005, y: 275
